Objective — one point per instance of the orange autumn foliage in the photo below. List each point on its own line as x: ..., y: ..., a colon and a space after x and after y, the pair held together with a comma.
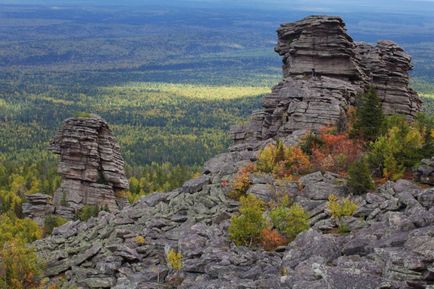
x: 283, y: 161
x: 336, y: 153
x: 271, y: 239
x: 295, y: 164
x: 241, y: 181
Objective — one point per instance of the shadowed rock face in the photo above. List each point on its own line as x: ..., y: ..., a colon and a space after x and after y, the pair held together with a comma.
x: 324, y: 72
x: 91, y: 165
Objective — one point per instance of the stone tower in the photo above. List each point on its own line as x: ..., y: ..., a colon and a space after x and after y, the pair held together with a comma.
x: 91, y: 166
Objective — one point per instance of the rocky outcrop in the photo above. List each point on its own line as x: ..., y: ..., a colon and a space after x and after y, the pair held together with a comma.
x: 318, y: 43
x: 324, y: 73
x: 37, y: 207
x: 91, y: 166
x: 386, y: 66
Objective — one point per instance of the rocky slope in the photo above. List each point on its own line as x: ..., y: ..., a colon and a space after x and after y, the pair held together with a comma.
x: 391, y: 243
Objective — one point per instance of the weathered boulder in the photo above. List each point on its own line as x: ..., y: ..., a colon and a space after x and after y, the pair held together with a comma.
x: 91, y: 165
x: 425, y: 172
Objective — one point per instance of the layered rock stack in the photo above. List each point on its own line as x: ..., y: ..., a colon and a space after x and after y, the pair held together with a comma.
x: 325, y: 72
x: 37, y: 207
x: 91, y: 166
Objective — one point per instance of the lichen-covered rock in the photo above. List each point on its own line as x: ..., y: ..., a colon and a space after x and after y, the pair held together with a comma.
x: 386, y: 67
x: 91, y: 165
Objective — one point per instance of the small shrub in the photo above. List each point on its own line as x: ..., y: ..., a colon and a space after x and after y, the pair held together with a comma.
x: 140, y: 240
x: 19, y: 266
x: 246, y: 227
x: 295, y: 163
x: 282, y: 161
x: 359, y: 177
x: 271, y: 239
x: 399, y: 149
x: 290, y: 221
x: 87, y: 212
x: 343, y: 228
x: 340, y: 209
x: 270, y: 156
x: 241, y: 182
x: 336, y: 153
x: 52, y: 222
x: 174, y: 259
x: 310, y: 141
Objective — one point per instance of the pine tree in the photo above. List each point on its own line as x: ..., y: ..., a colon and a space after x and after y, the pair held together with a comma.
x: 359, y: 177
x: 369, y: 117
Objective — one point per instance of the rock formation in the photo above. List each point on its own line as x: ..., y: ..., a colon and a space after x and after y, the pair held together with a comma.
x: 37, y: 207
x: 390, y: 245
x: 324, y: 72
x: 91, y: 166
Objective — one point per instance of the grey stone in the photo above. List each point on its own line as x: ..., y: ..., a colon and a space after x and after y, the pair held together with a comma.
x: 324, y: 72
x: 265, y: 192
x: 195, y: 185
x: 425, y: 172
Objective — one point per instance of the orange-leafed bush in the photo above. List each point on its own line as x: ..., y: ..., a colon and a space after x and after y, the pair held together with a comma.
x: 283, y: 161
x: 241, y: 181
x: 271, y: 239
x: 336, y: 153
x: 296, y: 163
